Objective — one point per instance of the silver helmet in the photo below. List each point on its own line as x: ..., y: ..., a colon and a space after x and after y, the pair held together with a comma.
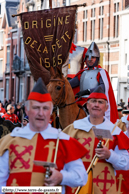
x: 93, y: 51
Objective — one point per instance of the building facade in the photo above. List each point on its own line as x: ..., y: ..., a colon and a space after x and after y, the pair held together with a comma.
x: 100, y: 21
x: 16, y: 80
x: 123, y: 70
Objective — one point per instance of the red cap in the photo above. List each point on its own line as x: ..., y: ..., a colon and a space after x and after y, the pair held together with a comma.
x: 39, y: 92
x: 98, y: 93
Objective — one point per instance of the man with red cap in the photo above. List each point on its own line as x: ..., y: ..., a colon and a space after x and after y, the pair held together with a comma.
x: 113, y: 157
x: 38, y: 142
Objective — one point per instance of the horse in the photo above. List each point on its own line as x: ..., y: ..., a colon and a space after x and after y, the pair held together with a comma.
x: 6, y: 126
x: 63, y: 98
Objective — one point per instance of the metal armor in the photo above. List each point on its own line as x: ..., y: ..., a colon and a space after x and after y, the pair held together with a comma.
x: 88, y: 80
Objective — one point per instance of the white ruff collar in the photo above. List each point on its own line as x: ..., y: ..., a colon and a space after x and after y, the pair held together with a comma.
x: 85, y: 125
x: 48, y: 133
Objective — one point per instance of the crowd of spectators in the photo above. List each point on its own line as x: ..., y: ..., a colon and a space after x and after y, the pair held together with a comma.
x: 123, y: 109
x: 14, y: 112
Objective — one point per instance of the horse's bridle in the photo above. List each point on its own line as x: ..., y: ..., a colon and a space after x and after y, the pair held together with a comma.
x: 62, y: 96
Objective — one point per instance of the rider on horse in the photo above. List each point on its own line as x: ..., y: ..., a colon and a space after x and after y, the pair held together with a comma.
x: 88, y: 79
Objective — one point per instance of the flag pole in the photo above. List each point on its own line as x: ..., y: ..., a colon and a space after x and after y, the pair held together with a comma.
x: 50, y: 4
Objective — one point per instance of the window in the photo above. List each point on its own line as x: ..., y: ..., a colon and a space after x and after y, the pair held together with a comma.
x: 2, y: 8
x: 28, y: 86
x: 30, y: 8
x: 2, y: 94
x: 64, y: 2
x: 101, y: 21
x: 58, y: 4
x: 116, y: 20
x: 7, y: 89
x: 46, y: 4
x: 8, y: 54
x: 67, y: 2
x: 125, y: 58
x: 38, y: 7
x: 21, y: 91
x: 8, y: 59
x: 114, y: 81
x: 85, y: 20
x: 1, y: 40
x: 126, y: 50
x: 21, y: 48
x: 26, y: 63
x: 14, y: 50
x: 93, y: 12
x: 93, y: 24
x: 92, y: 29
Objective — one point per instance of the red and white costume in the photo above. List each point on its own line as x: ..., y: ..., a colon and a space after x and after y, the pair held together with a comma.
x: 11, y: 117
x: 23, y: 146
x: 103, y: 173
x: 111, y: 113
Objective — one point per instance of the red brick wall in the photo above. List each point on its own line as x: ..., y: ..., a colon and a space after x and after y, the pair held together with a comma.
x: 114, y: 69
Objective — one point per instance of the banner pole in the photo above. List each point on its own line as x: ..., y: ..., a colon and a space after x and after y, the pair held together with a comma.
x: 50, y: 4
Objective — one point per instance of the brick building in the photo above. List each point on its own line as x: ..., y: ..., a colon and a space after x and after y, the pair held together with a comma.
x: 98, y: 21
x: 7, y: 41
x: 16, y: 80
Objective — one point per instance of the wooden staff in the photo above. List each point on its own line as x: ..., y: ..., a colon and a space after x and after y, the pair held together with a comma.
x: 57, y: 144
x: 95, y: 159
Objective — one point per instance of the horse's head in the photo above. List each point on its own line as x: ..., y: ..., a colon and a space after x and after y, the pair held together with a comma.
x: 56, y: 87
